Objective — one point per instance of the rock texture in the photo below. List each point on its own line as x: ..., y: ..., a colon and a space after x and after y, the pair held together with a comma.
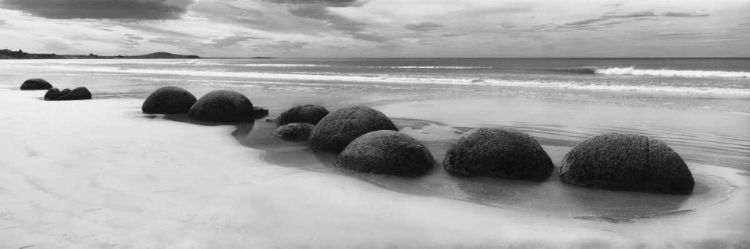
x: 78, y: 93
x: 498, y: 152
x: 222, y: 106
x: 35, y: 84
x: 311, y: 114
x: 169, y: 100
x: 337, y: 129
x: 294, y: 132
x: 627, y: 162
x: 386, y: 152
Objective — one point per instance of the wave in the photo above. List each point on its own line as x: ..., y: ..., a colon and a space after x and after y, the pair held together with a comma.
x: 656, y: 72
x: 339, y: 78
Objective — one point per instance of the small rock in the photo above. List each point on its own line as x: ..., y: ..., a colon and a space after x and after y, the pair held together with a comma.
x: 311, y: 114
x: 294, y: 132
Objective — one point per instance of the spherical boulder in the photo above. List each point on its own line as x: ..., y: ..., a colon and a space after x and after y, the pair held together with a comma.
x: 337, y: 129
x: 77, y: 93
x: 498, y: 152
x: 627, y: 162
x: 222, y: 106
x: 52, y: 94
x: 169, y: 100
x: 35, y: 84
x: 295, y: 132
x: 386, y: 152
x: 311, y: 114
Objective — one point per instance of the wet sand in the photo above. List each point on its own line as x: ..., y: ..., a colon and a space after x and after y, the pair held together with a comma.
x: 100, y: 173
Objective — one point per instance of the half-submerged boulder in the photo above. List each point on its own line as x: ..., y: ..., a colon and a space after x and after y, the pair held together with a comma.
x: 498, y: 152
x: 386, y: 152
x: 627, y: 162
x: 294, y: 132
x: 169, y: 100
x: 52, y: 94
x: 78, y: 93
x: 260, y: 112
x: 311, y: 114
x: 336, y: 130
x: 35, y: 84
x: 222, y: 106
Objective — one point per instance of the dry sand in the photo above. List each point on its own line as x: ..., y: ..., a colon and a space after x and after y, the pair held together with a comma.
x: 99, y: 174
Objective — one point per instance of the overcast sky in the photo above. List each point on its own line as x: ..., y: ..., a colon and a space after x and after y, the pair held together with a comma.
x: 379, y: 28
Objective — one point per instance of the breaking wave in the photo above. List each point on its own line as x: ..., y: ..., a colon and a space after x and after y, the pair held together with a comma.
x: 657, y: 72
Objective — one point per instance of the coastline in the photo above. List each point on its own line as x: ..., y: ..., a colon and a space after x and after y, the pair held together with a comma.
x: 130, y: 180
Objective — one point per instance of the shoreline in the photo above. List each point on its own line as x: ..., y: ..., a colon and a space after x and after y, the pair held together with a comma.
x: 131, y: 180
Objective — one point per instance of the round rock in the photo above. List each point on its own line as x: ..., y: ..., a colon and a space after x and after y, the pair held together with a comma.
x: 311, y: 114
x: 337, y: 129
x: 498, y: 152
x: 169, y: 100
x: 35, y: 84
x: 627, y: 162
x: 295, y: 132
x: 78, y: 93
x: 52, y: 94
x: 386, y: 152
x: 222, y: 106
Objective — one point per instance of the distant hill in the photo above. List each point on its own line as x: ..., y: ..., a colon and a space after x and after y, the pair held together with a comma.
x: 10, y: 54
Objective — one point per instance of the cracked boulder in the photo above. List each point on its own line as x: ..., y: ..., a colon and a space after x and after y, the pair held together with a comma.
x: 626, y: 162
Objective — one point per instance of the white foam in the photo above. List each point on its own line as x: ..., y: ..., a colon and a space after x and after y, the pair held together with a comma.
x: 672, y: 73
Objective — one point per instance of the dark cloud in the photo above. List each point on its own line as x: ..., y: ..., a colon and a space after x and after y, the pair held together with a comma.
x: 423, y: 26
x: 101, y: 9
x: 684, y: 14
x: 607, y: 19
x: 353, y: 28
x: 631, y: 15
x: 328, y: 3
x: 130, y: 41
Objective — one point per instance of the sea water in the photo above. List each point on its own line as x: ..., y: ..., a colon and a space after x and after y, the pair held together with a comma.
x: 699, y: 107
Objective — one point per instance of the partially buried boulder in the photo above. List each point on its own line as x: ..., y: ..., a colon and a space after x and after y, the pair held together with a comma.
x: 52, y: 94
x: 498, y: 152
x: 295, y: 132
x: 169, y: 100
x: 336, y: 130
x: 627, y: 162
x: 77, y: 93
x: 260, y: 112
x: 311, y: 114
x: 386, y: 152
x: 222, y: 106
x: 35, y: 84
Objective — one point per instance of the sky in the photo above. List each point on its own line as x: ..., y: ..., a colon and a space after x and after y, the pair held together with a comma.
x: 380, y: 28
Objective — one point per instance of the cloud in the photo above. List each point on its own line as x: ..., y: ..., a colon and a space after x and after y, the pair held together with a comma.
x: 3, y: 22
x: 631, y: 15
x: 605, y: 20
x: 101, y: 9
x: 355, y: 29
x: 422, y: 25
x: 287, y: 45
x: 328, y: 3
x: 684, y: 14
x: 229, y: 41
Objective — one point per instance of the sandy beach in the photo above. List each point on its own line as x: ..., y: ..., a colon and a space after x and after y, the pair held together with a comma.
x: 100, y: 174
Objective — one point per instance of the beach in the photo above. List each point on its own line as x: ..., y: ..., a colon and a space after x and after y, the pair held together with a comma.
x: 101, y: 174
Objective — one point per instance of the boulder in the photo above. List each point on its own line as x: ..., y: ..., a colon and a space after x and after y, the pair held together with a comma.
x: 52, y: 94
x: 77, y: 93
x: 498, y: 152
x: 336, y: 130
x: 64, y: 92
x: 169, y: 100
x: 222, y: 106
x: 386, y: 152
x: 295, y: 132
x: 35, y: 84
x: 311, y: 114
x: 627, y: 162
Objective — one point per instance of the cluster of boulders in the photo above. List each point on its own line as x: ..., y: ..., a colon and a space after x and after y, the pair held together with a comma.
x: 223, y: 106
x: 78, y: 93
x: 366, y: 140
